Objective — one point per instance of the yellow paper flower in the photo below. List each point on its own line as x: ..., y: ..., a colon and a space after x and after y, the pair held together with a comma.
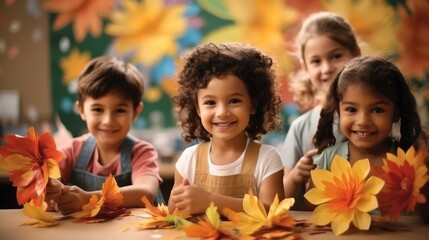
x: 73, y: 65
x: 372, y: 21
x: 105, y: 208
x: 30, y: 161
x: 257, y: 22
x: 39, y: 214
x: 405, y: 174
x: 86, y: 15
x: 255, y: 217
x: 344, y: 195
x: 149, y: 28
x: 161, y: 217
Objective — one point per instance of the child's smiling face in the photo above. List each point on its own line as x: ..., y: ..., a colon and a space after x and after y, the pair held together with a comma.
x: 109, y: 118
x: 224, y: 107
x: 323, y: 59
x: 366, y: 117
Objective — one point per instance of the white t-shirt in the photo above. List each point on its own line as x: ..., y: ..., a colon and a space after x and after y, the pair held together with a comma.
x: 268, y: 163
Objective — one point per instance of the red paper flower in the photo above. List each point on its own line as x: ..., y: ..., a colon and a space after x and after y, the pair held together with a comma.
x: 404, y: 174
x: 30, y: 161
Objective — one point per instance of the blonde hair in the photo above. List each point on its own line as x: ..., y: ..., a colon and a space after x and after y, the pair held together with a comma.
x: 303, y: 92
x: 327, y: 24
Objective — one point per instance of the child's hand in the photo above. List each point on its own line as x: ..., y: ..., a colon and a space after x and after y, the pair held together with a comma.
x: 71, y: 200
x: 190, y: 198
x: 301, y: 171
x: 53, y: 189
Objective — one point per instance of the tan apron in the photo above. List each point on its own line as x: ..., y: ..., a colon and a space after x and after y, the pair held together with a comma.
x: 234, y: 185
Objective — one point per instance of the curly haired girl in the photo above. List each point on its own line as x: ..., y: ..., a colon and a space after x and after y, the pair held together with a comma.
x: 228, y: 97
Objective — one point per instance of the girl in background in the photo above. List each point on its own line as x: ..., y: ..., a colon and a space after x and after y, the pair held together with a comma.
x: 325, y: 43
x: 228, y: 98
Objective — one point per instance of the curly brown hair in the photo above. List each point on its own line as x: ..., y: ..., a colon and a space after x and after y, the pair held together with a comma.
x: 209, y: 61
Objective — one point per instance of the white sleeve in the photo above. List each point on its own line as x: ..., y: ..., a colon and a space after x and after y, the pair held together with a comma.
x: 185, y: 165
x: 269, y: 162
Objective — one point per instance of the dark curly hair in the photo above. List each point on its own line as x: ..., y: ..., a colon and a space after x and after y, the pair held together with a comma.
x: 384, y: 78
x: 209, y: 61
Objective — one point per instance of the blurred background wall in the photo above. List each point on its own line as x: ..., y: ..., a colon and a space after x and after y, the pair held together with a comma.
x: 45, y: 43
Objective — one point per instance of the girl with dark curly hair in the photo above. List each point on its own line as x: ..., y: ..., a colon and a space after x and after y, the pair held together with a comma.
x: 228, y: 97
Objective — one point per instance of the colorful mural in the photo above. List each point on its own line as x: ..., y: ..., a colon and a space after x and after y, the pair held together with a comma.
x: 153, y: 34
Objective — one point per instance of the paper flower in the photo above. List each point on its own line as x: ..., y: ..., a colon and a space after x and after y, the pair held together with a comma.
x: 405, y: 174
x: 107, y: 207
x: 86, y: 15
x: 30, y: 161
x: 73, y: 65
x: 370, y: 28
x: 413, y: 35
x: 257, y: 22
x: 39, y: 215
x: 208, y: 227
x: 255, y: 217
x: 161, y: 217
x: 344, y: 195
x: 148, y: 29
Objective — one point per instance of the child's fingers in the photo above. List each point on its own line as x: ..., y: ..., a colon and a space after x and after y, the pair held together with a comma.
x: 311, y: 153
x: 65, y: 189
x: 178, y: 190
x: 185, y: 181
x: 307, y: 159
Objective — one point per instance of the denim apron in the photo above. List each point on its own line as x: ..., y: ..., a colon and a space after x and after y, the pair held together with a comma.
x: 92, y: 182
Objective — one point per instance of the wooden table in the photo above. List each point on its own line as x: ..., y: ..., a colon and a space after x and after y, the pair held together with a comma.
x: 67, y: 230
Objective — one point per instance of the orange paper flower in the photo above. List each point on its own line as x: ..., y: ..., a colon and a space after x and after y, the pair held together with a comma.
x: 208, y: 227
x: 30, y: 161
x: 405, y: 174
x: 413, y: 35
x: 344, y: 195
x: 105, y: 208
x: 86, y: 15
x: 161, y: 217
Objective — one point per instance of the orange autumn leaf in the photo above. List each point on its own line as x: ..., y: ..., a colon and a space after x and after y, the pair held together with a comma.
x: 161, y: 217
x: 208, y: 227
x: 203, y: 229
x: 110, y: 191
x: 105, y: 208
x: 405, y: 174
x: 30, y: 160
x: 160, y: 211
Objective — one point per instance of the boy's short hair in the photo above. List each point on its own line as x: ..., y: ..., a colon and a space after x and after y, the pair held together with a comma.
x: 106, y: 74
